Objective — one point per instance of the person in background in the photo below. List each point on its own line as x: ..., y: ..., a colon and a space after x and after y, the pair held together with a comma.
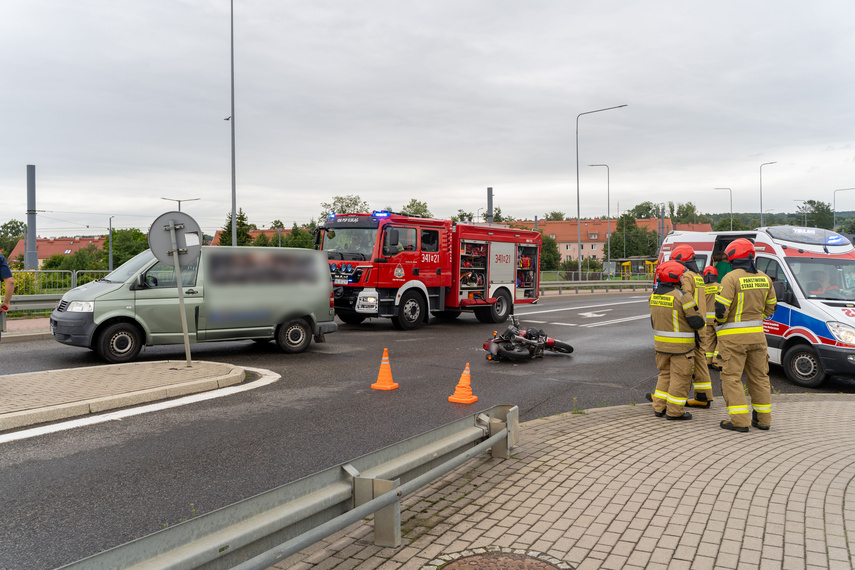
x: 8, y: 284
x: 722, y: 266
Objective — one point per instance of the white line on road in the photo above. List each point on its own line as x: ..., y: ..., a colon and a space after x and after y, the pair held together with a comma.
x: 580, y: 308
x: 267, y: 377
x: 616, y: 321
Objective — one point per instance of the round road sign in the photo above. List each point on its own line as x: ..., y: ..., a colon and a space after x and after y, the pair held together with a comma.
x: 188, y: 238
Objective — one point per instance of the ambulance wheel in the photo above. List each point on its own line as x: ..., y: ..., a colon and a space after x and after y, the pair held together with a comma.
x: 803, y: 367
x: 119, y: 343
x: 411, y: 312
x: 294, y: 336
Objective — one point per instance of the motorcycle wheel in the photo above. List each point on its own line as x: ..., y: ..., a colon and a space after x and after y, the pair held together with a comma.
x: 513, y: 352
x: 563, y: 347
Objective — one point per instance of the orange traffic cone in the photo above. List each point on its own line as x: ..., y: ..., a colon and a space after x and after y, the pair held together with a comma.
x: 463, y: 392
x: 384, y: 378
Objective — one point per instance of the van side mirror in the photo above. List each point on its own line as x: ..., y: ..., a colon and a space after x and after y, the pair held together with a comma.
x: 784, y: 293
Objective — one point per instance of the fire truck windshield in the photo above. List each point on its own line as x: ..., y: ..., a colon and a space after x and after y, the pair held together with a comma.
x: 349, y: 243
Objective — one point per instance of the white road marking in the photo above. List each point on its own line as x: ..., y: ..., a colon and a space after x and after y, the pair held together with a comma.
x: 593, y: 314
x: 616, y: 321
x: 565, y: 324
x: 267, y: 377
x: 644, y: 300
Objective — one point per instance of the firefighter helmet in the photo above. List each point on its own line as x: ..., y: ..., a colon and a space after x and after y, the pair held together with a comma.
x: 710, y: 269
x: 670, y: 272
x: 683, y: 252
x: 739, y: 249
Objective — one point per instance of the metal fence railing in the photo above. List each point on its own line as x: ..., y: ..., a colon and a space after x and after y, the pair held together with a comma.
x: 549, y: 276
x: 48, y: 282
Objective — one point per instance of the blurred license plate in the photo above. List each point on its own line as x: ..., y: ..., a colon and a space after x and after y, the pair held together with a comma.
x: 340, y: 281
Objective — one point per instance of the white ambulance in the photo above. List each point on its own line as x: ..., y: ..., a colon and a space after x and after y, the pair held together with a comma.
x: 812, y: 333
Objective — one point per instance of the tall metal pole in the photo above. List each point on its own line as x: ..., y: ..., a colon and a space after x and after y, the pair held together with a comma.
x: 110, y: 224
x: 31, y: 254
x: 761, y: 190
x: 834, y: 206
x: 578, y: 206
x: 731, y: 206
x: 179, y: 201
x: 608, y: 214
x: 234, y: 185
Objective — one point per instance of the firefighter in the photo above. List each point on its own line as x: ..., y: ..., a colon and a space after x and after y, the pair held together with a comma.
x: 746, y: 299
x: 693, y: 284
x: 712, y: 288
x: 675, y: 318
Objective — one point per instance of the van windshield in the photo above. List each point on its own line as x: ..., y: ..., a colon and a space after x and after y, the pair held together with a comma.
x: 349, y: 243
x: 130, y: 268
x: 823, y: 278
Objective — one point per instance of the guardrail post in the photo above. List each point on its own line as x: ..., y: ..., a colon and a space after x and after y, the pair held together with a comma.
x: 387, y: 521
x: 2, y: 321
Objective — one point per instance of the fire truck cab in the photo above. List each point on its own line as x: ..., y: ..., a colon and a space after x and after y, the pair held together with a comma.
x: 403, y: 268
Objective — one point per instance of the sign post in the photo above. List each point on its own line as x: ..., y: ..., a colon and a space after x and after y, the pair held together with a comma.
x: 176, y: 239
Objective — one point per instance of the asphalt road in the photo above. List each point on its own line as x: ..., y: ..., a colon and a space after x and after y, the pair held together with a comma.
x: 73, y: 493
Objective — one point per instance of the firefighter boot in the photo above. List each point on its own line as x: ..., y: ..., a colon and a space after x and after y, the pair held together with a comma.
x: 729, y: 425
x: 655, y: 413
x: 755, y: 423
x: 700, y: 401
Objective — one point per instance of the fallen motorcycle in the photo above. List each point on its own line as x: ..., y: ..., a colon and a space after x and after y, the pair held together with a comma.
x: 517, y: 344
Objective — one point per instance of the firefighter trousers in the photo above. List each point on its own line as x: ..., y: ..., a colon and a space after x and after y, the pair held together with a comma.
x: 672, y: 386
x: 708, y: 342
x: 752, y: 358
x: 701, y: 381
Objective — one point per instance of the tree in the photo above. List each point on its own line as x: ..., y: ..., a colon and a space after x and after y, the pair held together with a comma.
x: 498, y: 216
x: 261, y: 240
x: 818, y: 214
x: 88, y: 258
x: 463, y: 216
x: 630, y: 240
x: 10, y: 233
x: 723, y: 225
x: 417, y: 209
x: 126, y: 244
x: 645, y: 210
x: 243, y: 227
x: 553, y: 216
x: 350, y: 204
x: 550, y: 257
x: 277, y: 225
x: 299, y: 238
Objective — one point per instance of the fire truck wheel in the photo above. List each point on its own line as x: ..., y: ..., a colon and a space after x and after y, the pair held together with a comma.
x: 350, y: 318
x: 448, y: 315
x: 411, y: 312
x: 498, y: 312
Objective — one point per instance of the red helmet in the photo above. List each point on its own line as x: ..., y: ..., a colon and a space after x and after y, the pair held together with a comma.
x: 683, y: 252
x: 739, y: 249
x: 670, y: 272
x: 710, y: 269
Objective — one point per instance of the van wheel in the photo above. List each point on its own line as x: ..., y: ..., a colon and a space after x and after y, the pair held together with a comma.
x: 802, y: 366
x: 411, y: 312
x: 294, y: 336
x: 119, y: 343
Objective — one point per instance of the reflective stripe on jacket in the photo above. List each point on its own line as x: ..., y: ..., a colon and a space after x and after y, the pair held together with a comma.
x: 744, y: 301
x: 669, y: 310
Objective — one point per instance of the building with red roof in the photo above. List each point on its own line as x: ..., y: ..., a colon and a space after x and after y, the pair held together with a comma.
x: 48, y: 247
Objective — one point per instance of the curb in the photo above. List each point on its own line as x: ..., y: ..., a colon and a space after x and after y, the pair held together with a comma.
x: 15, y: 420
x: 20, y: 337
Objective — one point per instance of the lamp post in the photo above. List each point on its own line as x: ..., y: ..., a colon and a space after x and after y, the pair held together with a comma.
x: 731, y: 206
x: 761, y: 190
x: 478, y: 214
x: 578, y: 207
x: 110, y: 232
x: 834, y: 206
x: 179, y: 201
x: 232, y: 118
x: 608, y: 214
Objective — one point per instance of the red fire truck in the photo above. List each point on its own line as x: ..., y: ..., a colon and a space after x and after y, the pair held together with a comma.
x: 391, y: 265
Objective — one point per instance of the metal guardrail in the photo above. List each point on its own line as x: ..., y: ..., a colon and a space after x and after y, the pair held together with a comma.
x: 29, y: 303
x: 260, y: 531
x: 594, y: 285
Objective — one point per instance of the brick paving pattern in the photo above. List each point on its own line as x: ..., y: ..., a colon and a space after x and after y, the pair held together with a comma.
x: 620, y: 488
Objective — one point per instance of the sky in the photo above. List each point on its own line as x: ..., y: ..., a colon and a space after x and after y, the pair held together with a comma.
x: 121, y: 103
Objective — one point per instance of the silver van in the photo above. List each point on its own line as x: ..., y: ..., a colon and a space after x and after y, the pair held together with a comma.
x: 230, y: 293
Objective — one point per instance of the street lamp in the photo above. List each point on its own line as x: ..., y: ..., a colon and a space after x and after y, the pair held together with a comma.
x: 834, y: 206
x: 232, y: 120
x: 761, y: 190
x: 478, y: 214
x: 578, y: 206
x: 731, y: 207
x: 608, y: 215
x: 179, y: 201
x: 110, y: 224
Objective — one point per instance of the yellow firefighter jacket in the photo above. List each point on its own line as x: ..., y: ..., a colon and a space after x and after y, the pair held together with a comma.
x: 693, y: 284
x: 744, y: 301
x: 675, y: 318
x: 711, y: 290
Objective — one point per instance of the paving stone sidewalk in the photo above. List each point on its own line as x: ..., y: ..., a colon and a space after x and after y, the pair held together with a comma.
x: 38, y: 397
x: 620, y: 488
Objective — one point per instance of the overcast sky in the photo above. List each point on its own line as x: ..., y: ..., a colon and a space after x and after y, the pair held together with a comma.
x: 120, y: 103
